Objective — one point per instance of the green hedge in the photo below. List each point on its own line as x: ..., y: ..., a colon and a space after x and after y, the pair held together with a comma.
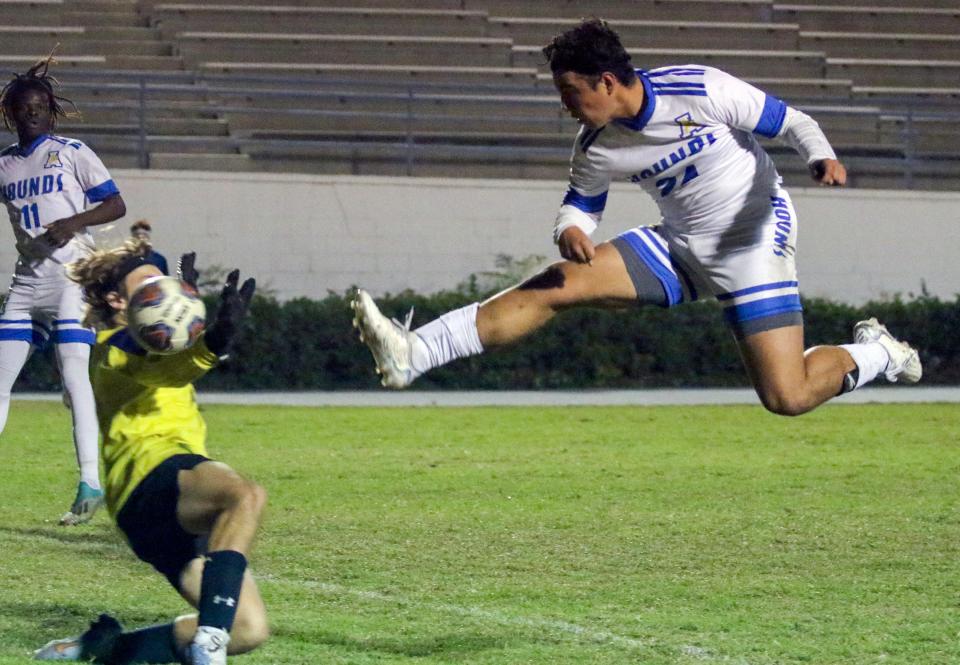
x: 309, y: 345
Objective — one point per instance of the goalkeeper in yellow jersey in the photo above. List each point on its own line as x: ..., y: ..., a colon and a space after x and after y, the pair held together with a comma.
x: 191, y: 518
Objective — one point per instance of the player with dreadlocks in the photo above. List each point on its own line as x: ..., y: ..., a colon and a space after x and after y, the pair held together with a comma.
x: 50, y: 186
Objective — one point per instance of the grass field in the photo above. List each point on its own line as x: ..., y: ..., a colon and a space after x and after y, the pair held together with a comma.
x: 540, y: 535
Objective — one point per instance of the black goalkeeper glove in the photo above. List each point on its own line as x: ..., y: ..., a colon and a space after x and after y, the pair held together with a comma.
x: 233, y: 307
x: 186, y: 272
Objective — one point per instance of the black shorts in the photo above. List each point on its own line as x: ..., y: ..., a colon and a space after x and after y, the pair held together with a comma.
x: 149, y: 520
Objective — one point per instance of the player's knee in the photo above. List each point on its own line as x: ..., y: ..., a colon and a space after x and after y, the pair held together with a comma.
x: 250, y: 498
x: 250, y: 630
x: 784, y: 402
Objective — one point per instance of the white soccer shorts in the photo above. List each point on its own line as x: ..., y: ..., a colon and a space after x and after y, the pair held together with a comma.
x: 38, y: 311
x: 750, y: 267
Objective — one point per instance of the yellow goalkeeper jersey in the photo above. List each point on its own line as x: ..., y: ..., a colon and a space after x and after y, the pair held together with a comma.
x: 147, y: 408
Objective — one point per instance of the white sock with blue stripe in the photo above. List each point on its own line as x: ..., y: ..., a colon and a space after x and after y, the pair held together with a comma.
x: 453, y: 335
x: 871, y: 359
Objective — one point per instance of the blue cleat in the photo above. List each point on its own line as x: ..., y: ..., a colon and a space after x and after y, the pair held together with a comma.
x: 86, y: 503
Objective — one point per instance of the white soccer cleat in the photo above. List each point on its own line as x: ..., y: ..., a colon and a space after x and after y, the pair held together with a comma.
x: 904, y: 363
x: 86, y: 503
x: 388, y: 340
x: 209, y: 646
x: 66, y: 649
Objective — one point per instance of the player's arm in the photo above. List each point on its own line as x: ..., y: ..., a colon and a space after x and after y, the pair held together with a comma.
x: 803, y: 134
x: 60, y: 232
x: 99, y: 187
x: 741, y: 105
x: 583, y: 204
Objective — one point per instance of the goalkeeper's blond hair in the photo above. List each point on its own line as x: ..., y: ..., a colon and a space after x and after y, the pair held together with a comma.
x: 97, y: 276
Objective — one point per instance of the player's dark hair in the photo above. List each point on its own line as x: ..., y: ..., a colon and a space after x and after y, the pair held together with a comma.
x: 590, y: 49
x: 100, y: 273
x: 36, y: 78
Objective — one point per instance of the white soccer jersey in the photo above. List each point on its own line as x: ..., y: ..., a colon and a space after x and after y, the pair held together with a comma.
x: 691, y: 147
x: 52, y: 179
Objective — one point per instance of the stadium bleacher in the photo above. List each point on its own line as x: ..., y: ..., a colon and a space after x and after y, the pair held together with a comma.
x: 459, y: 86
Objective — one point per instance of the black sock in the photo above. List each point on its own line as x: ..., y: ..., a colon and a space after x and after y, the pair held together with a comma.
x: 850, y: 381
x: 220, y: 588
x: 155, y: 644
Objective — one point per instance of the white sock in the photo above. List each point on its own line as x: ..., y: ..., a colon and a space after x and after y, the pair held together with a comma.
x: 74, y: 361
x: 13, y: 356
x: 454, y: 335
x: 871, y: 359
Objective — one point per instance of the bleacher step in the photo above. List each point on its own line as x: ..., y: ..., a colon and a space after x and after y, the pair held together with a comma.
x: 111, y: 19
x: 201, y: 162
x: 145, y: 62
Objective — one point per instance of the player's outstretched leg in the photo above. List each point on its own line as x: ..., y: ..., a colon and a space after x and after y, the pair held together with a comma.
x: 96, y: 644
x: 402, y: 355
x: 791, y: 381
x: 389, y: 341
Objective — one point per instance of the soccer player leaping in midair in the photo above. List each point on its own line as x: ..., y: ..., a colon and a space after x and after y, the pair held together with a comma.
x: 686, y: 135
x: 191, y: 518
x: 46, y: 182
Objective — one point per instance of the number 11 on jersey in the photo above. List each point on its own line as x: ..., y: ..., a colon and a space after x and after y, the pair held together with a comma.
x: 25, y: 214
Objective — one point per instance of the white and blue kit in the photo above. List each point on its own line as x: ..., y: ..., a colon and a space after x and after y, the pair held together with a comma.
x: 728, y: 229
x: 53, y: 179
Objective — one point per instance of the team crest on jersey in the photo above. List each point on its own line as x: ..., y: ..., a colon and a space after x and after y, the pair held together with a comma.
x: 53, y: 160
x: 688, y: 126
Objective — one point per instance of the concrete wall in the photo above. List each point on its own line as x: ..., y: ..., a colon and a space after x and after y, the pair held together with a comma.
x: 304, y: 235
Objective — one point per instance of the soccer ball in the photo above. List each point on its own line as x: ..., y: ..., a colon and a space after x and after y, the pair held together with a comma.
x: 165, y: 315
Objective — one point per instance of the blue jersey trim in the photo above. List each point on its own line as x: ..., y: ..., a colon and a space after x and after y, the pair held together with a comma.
x: 102, y: 191
x: 759, y: 309
x: 771, y: 119
x: 691, y: 289
x: 33, y: 146
x: 676, y: 71
x: 123, y: 340
x: 679, y: 84
x: 76, y: 145
x: 640, y: 121
x: 73, y: 336
x: 60, y: 322
x: 756, y: 289
x: 669, y: 281
x: 689, y: 93
x: 585, y: 203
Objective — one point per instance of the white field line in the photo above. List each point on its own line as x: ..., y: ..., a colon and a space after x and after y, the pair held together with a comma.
x: 558, y: 628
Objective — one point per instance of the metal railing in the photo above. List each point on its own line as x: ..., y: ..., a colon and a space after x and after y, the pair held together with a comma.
x: 412, y: 125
